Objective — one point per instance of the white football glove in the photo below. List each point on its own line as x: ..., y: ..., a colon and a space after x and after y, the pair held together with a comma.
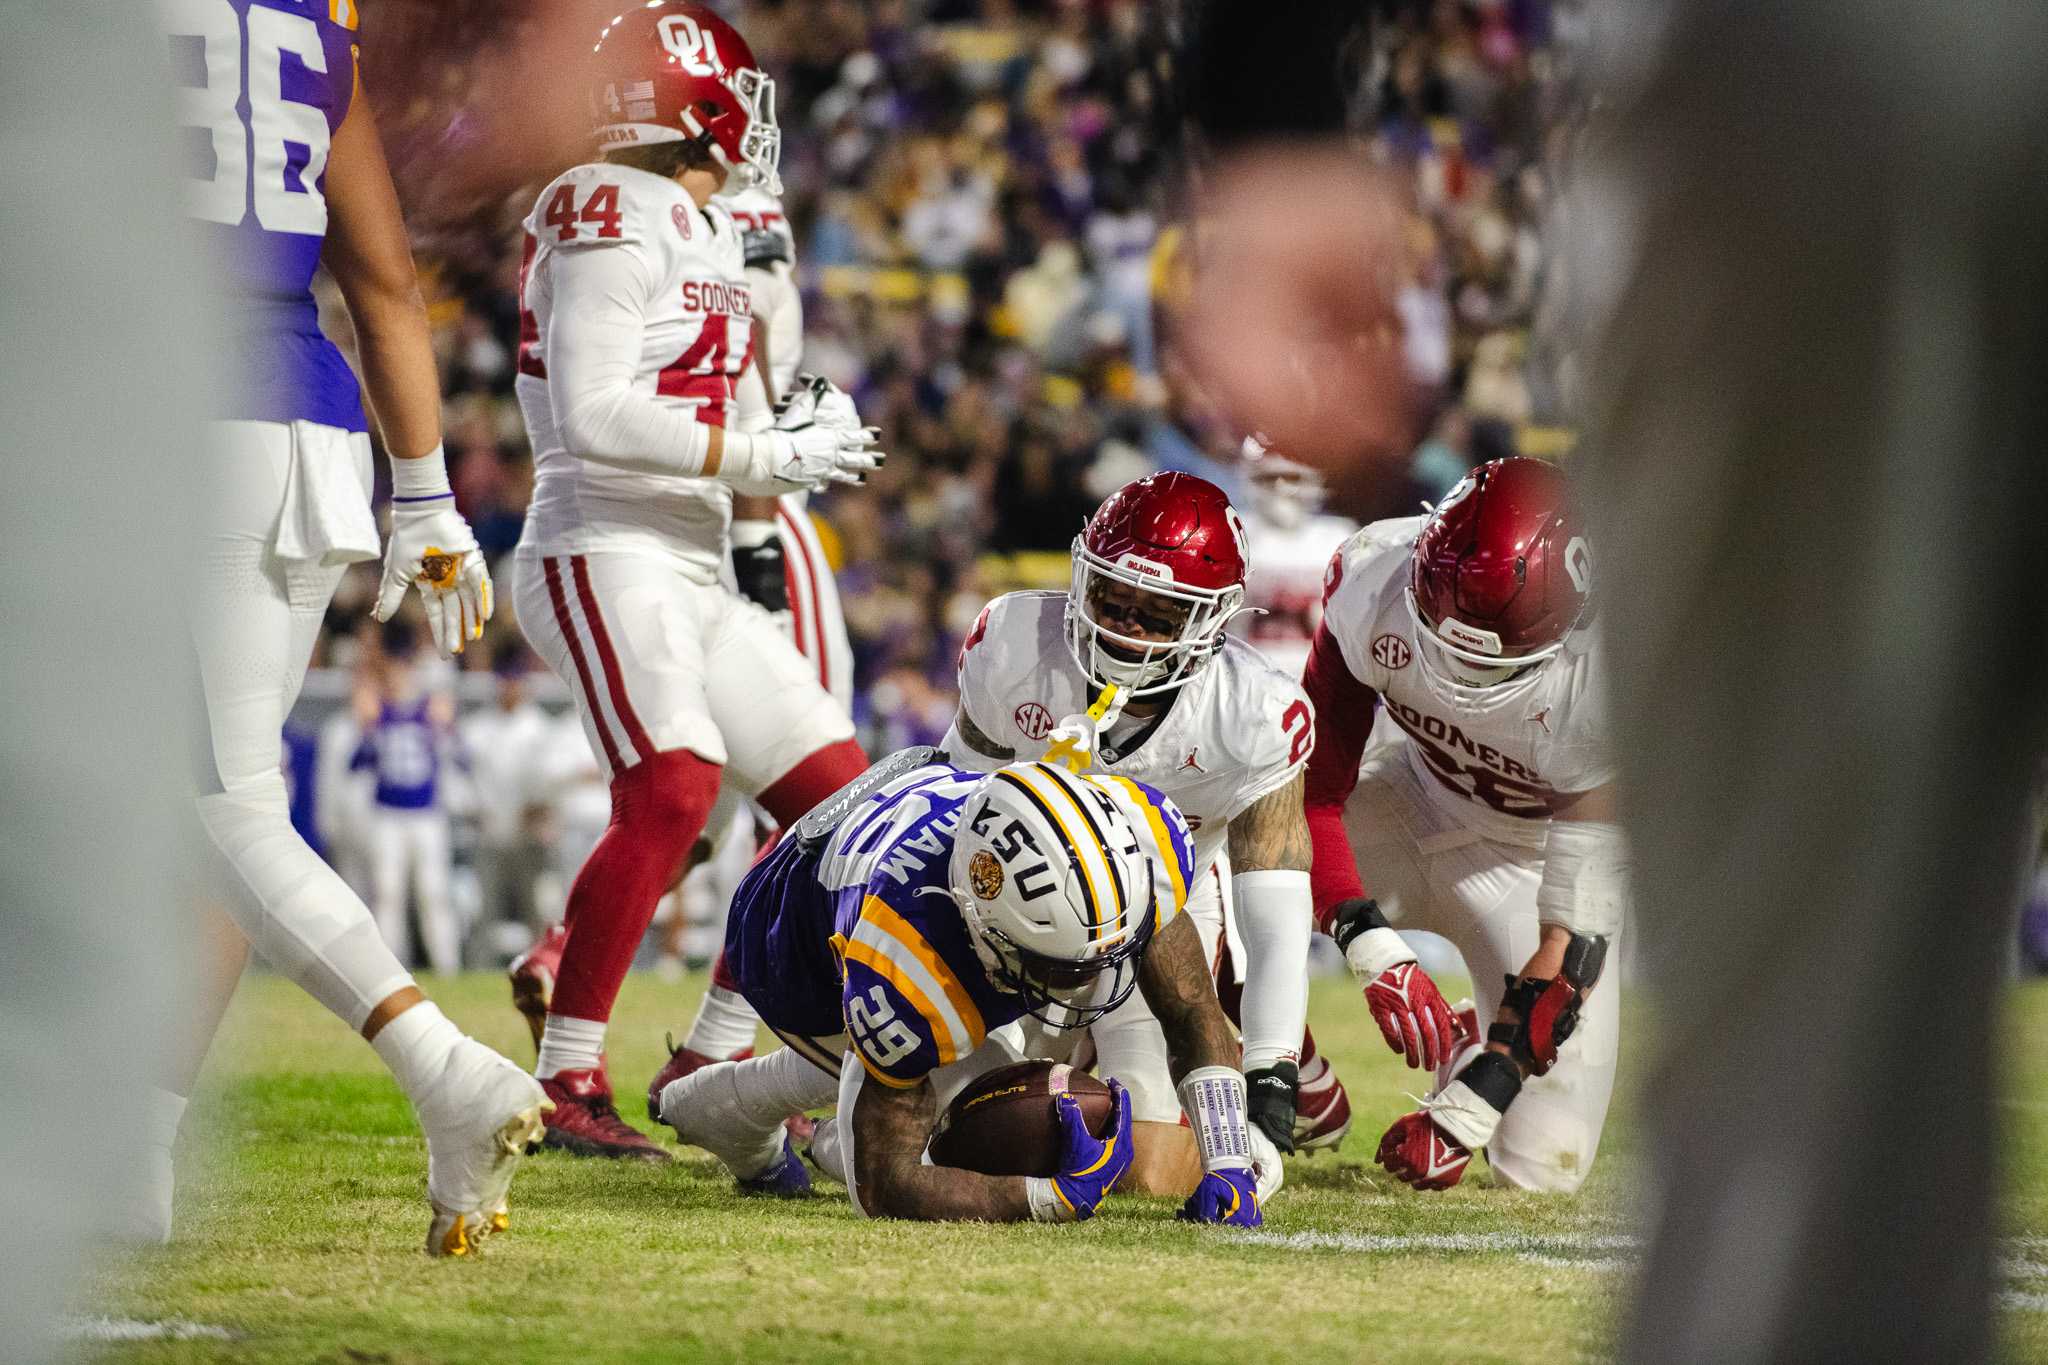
x: 826, y: 404
x: 431, y: 548
x: 814, y: 456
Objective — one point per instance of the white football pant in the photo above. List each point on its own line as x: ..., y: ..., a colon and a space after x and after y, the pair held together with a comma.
x: 254, y: 624
x: 409, y: 851
x: 1428, y: 872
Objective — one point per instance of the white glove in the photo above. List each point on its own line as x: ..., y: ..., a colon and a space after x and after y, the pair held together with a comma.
x: 1267, y: 1168
x: 431, y: 548
x: 827, y: 404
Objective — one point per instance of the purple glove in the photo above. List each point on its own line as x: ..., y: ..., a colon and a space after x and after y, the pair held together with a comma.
x: 1230, y: 1195
x: 1088, y: 1167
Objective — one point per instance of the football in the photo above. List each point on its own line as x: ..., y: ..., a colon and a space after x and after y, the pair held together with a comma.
x: 1007, y: 1122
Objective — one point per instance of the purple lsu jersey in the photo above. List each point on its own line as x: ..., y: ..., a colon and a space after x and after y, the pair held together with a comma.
x: 403, y: 751
x: 858, y: 933
x: 262, y: 85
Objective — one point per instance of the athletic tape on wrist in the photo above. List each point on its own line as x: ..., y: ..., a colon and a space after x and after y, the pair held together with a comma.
x: 1047, y: 1204
x: 1376, y: 951
x: 420, y: 480
x: 1470, y: 1107
x: 748, y: 534
x: 1213, y: 1098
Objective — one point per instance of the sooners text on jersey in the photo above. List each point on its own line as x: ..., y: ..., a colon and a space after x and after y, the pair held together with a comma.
x: 1501, y: 759
x: 696, y: 340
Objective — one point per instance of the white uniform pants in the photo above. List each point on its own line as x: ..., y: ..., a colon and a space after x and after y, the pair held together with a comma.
x: 253, y: 625
x: 1427, y: 872
x: 816, y: 623
x: 409, y: 852
x: 657, y: 661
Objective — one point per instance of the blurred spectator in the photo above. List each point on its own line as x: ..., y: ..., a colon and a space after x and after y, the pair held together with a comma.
x: 504, y: 742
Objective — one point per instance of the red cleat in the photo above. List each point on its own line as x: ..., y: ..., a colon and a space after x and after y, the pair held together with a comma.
x: 587, y: 1123
x: 533, y: 978
x: 681, y: 1062
x: 1322, y: 1111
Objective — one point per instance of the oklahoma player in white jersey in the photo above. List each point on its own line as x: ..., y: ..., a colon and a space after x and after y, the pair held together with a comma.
x: 1291, y: 540
x: 1158, y: 573
x: 1489, y: 820
x: 638, y: 329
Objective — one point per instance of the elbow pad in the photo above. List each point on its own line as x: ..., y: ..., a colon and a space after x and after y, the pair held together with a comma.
x: 1585, y: 877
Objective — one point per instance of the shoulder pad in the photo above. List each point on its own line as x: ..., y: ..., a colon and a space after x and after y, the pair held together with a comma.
x: 599, y: 204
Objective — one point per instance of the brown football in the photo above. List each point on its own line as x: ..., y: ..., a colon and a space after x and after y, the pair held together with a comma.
x: 1007, y: 1122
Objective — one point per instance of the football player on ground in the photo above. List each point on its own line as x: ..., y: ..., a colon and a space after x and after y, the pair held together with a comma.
x: 1158, y: 573
x: 1489, y: 820
x: 920, y: 910
x: 290, y: 480
x: 637, y: 331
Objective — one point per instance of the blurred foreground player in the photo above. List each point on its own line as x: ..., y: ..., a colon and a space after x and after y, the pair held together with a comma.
x: 638, y: 328
x: 1489, y: 820
x: 923, y: 909
x: 297, y: 182
x: 1159, y: 572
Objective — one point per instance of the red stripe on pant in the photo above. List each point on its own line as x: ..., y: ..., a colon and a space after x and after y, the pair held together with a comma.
x: 798, y: 551
x: 553, y: 571
x: 615, y: 682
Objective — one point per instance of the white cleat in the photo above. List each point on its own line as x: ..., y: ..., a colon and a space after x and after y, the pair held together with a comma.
x: 147, y: 1221
x: 478, y: 1123
x: 703, y: 1107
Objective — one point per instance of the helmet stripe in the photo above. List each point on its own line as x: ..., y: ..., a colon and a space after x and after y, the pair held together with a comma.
x: 1088, y: 888
x: 1161, y: 836
x: 1064, y: 781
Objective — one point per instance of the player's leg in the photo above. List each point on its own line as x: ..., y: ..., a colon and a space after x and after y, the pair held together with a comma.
x: 441, y: 935
x: 389, y: 857
x: 735, y: 1109
x: 625, y: 633
x: 254, y: 622
x: 725, y: 1025
x: 1551, y: 1133
x: 791, y: 746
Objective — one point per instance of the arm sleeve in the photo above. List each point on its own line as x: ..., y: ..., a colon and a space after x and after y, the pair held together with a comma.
x: 594, y: 338
x: 1344, y: 710
x: 1273, y: 914
x: 779, y: 316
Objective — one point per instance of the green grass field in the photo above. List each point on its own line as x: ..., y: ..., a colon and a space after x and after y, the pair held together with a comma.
x: 302, y: 1212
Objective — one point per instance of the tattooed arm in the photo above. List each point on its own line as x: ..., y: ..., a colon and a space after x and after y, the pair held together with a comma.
x: 891, y: 1127
x: 1174, y: 978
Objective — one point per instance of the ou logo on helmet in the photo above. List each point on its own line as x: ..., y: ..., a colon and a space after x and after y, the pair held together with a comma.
x: 1578, y: 562
x: 691, y: 46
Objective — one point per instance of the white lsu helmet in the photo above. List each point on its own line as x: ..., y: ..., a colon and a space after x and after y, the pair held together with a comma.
x: 1058, y: 878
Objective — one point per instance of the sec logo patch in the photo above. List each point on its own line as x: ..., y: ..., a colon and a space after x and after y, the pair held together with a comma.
x: 1034, y: 720
x: 1390, y: 651
x: 680, y: 216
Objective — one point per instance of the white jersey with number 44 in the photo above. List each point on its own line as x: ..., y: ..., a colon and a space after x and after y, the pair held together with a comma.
x: 1500, y: 760
x: 1238, y: 729
x: 690, y: 300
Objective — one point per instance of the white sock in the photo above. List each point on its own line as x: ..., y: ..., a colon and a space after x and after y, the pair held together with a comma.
x: 724, y: 1026
x: 569, y: 1044
x: 769, y: 1089
x: 162, y: 1112
x: 416, y: 1046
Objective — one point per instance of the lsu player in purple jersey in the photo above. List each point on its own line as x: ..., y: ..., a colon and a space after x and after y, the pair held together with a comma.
x: 289, y: 175
x: 916, y: 912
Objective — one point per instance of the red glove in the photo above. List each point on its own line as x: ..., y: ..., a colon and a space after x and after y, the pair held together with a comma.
x: 1405, y: 1003
x: 1412, y: 1015
x: 1424, y: 1155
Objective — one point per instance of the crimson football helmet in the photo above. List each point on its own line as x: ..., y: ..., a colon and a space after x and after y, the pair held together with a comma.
x: 667, y: 72
x: 1166, y: 553
x: 1501, y: 573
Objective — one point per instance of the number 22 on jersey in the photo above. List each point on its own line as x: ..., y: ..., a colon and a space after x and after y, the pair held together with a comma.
x: 253, y: 162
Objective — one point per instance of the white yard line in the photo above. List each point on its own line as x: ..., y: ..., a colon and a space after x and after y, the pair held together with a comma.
x: 97, y: 1329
